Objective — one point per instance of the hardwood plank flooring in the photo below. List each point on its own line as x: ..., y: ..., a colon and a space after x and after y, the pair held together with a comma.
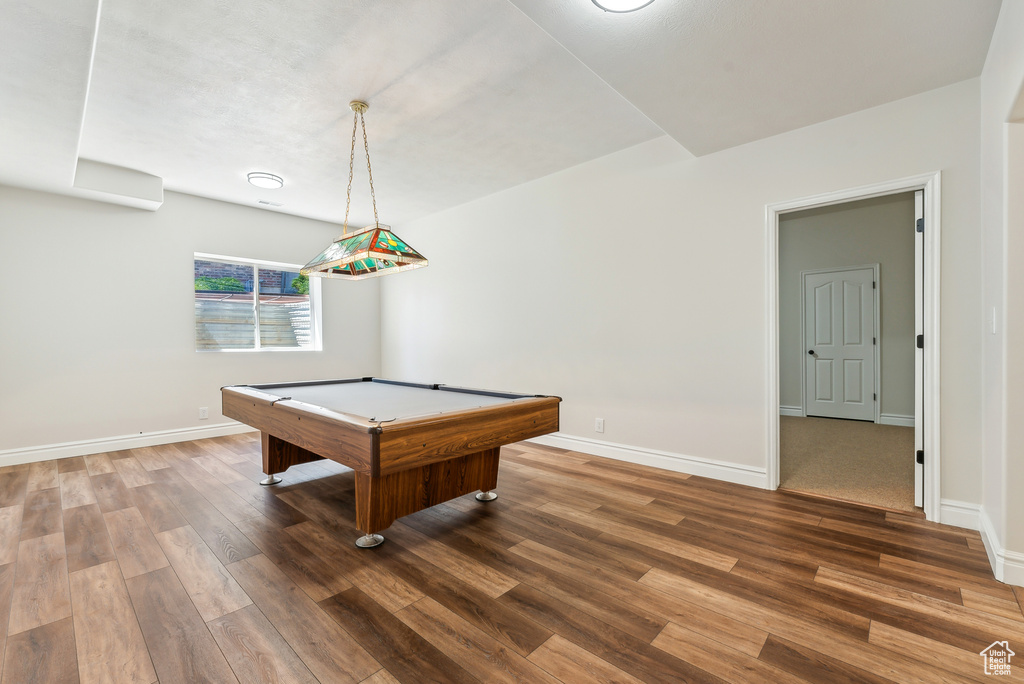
x: 182, y: 647
x: 329, y: 652
x: 41, y: 593
x: 43, y: 475
x: 373, y: 578
x: 13, y: 485
x: 470, y: 604
x: 219, y: 533
x: 730, y: 664
x: 160, y: 514
x: 70, y: 465
x: 134, y: 544
x: 132, y: 472
x: 76, y: 489
x: 86, y: 538
x: 210, y: 586
x: 171, y: 563
x: 382, y: 676
x: 569, y: 663
x: 392, y: 642
x: 315, y: 576
x: 107, y: 634
x: 99, y: 464
x: 472, y: 648
x: 959, y: 663
x: 812, y: 665
x: 474, y: 573
x: 149, y: 458
x: 256, y: 651
x: 6, y: 591
x: 111, y: 494
x: 10, y: 533
x: 43, y: 654
x: 42, y: 514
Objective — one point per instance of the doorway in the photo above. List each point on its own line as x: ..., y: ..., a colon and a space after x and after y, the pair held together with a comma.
x: 904, y: 398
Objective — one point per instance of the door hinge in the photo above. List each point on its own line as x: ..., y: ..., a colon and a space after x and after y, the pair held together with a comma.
x: 874, y: 285
x: 920, y: 456
x: 920, y: 341
x: 875, y: 396
x: 920, y: 225
x: 874, y: 340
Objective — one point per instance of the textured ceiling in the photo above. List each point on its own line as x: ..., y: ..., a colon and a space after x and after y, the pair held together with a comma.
x: 467, y: 97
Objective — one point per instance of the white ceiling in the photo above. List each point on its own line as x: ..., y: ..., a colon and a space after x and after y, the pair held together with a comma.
x: 719, y: 73
x: 467, y: 97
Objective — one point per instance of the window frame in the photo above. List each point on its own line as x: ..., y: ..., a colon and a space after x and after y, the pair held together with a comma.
x: 315, y: 303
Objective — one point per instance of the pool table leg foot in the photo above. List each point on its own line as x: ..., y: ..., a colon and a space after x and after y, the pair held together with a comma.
x: 368, y: 541
x: 271, y: 480
x: 486, y: 496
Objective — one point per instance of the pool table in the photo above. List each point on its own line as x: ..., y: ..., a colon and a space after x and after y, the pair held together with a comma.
x: 411, y: 446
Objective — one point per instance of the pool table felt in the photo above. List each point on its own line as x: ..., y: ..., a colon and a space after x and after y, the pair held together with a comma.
x: 377, y: 401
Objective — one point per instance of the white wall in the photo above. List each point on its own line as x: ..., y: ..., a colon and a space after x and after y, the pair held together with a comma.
x: 874, y: 231
x: 97, y: 332
x: 1002, y: 218
x: 633, y: 285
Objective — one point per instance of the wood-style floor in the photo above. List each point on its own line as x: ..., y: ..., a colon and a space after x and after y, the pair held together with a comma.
x: 172, y: 564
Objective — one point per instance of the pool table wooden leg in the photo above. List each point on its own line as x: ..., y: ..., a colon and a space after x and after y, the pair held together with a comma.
x: 382, y: 500
x: 279, y: 455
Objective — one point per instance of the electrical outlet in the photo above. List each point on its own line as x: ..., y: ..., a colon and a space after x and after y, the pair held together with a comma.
x: 204, y: 413
x: 599, y: 425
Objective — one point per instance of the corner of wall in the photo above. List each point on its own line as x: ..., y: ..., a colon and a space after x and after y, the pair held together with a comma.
x: 1007, y: 566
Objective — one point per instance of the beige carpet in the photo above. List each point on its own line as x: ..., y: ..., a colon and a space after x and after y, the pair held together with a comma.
x: 850, y: 460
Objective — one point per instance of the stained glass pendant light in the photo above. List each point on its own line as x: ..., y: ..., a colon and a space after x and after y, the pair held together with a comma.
x: 372, y: 251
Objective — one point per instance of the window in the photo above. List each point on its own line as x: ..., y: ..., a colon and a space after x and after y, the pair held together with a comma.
x: 246, y: 305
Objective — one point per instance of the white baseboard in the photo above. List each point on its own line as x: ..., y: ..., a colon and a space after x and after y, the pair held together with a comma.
x: 720, y: 470
x: 1013, y: 568
x: 896, y: 419
x: 48, y: 452
x: 1007, y: 566
x: 795, y: 411
x: 960, y: 514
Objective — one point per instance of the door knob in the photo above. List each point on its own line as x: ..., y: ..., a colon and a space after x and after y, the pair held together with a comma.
x: 811, y: 352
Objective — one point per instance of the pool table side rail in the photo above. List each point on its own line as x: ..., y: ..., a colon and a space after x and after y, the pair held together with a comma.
x: 427, y: 439
x: 278, y: 386
x: 268, y: 399
x: 338, y: 381
x: 337, y: 436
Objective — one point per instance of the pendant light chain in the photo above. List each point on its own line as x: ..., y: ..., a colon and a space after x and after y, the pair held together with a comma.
x: 369, y: 170
x: 351, y: 162
x: 357, y: 121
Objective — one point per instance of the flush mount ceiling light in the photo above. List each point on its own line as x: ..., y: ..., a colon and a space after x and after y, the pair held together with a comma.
x: 372, y: 251
x: 622, y: 6
x: 265, y: 180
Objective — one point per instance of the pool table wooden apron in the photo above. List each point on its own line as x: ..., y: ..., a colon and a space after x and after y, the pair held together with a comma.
x: 401, y: 465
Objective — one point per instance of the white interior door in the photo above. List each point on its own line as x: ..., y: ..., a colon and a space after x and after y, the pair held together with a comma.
x: 919, y: 351
x: 839, y: 343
